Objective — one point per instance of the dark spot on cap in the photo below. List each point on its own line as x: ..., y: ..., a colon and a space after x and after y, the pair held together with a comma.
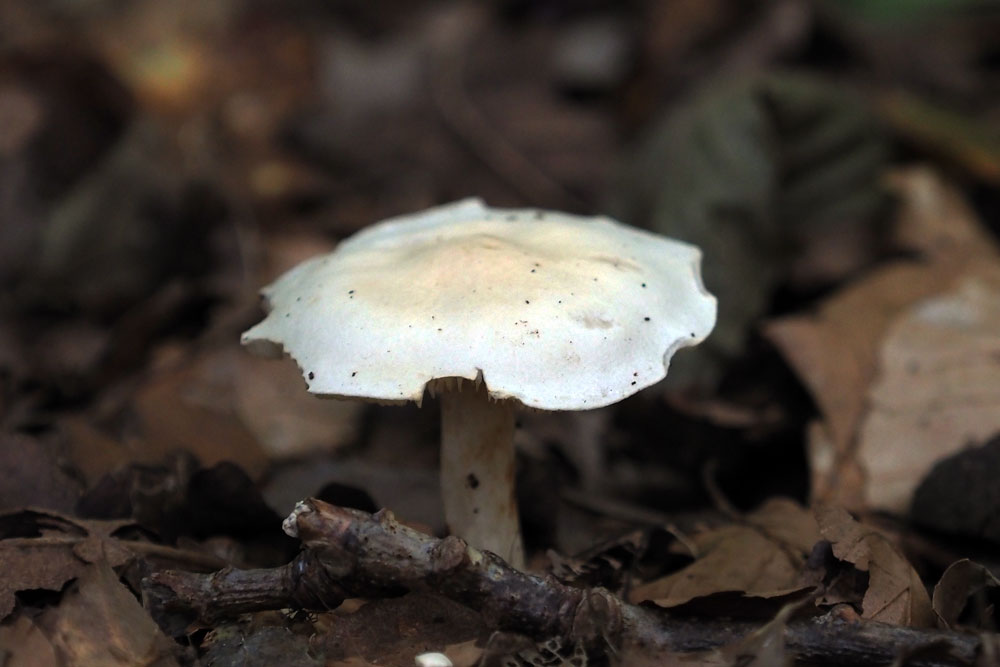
x: 472, y: 481
x: 692, y: 335
x: 526, y: 301
x: 532, y: 270
x: 633, y: 381
x: 311, y: 375
x: 354, y: 373
x: 636, y: 374
x: 350, y: 291
x: 645, y: 319
x: 644, y: 284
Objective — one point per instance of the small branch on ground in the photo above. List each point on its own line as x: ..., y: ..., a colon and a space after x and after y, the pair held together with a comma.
x: 353, y: 554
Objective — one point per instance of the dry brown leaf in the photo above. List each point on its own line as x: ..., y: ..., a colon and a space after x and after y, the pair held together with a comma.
x: 835, y: 353
x: 465, y: 654
x: 962, y: 581
x: 270, y: 396
x: 938, y: 390
x: 836, y: 350
x: 934, y: 218
x: 99, y: 622
x: 223, y: 405
x: 23, y: 644
x: 190, y: 408
x: 44, y: 550
x: 764, y: 556
x: 184, y: 406
x: 93, y: 451
x: 272, y: 402
x: 895, y: 593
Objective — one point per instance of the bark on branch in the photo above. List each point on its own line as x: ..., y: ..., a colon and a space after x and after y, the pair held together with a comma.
x: 352, y: 554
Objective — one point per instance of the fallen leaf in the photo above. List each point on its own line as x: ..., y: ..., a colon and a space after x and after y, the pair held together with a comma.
x: 192, y: 408
x: 934, y: 218
x: 964, y: 581
x: 895, y: 593
x: 23, y: 644
x: 938, y: 389
x: 465, y: 654
x: 763, y: 556
x: 99, y: 622
x: 272, y: 402
x: 836, y: 351
x: 44, y: 550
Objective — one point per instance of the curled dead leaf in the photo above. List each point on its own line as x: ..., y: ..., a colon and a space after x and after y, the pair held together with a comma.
x: 961, y: 583
x: 44, y: 550
x: 763, y: 556
x: 895, y: 593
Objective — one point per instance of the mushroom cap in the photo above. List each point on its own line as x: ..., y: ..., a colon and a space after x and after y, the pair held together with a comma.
x: 557, y: 311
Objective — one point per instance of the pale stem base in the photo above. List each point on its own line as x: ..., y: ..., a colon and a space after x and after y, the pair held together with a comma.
x: 478, y: 470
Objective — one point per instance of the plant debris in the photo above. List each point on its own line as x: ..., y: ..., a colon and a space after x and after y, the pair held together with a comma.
x: 815, y: 484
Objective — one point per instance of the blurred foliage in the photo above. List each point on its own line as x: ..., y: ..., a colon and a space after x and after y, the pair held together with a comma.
x: 890, y: 11
x: 762, y: 174
x: 954, y: 136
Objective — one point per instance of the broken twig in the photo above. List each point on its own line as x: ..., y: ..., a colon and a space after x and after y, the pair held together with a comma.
x: 350, y: 553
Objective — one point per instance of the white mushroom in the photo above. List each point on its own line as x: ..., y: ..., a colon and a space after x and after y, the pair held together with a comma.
x: 489, y: 308
x: 432, y: 660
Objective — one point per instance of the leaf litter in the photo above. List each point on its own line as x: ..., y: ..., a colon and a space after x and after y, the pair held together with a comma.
x: 147, y: 191
x: 849, y: 354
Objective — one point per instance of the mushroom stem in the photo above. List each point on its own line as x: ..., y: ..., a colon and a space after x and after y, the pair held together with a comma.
x: 477, y: 471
